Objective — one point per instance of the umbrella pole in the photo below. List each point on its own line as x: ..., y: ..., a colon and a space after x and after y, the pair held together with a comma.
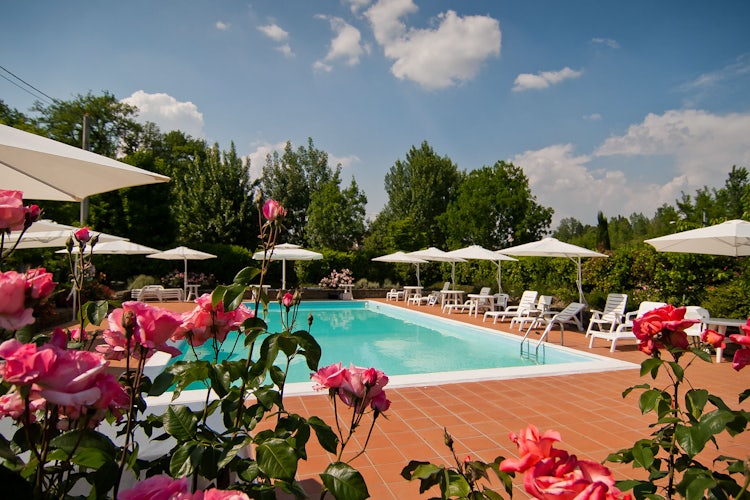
x: 499, y: 277
x: 418, y: 283
x: 453, y: 274
x: 184, y: 279
x: 283, y: 274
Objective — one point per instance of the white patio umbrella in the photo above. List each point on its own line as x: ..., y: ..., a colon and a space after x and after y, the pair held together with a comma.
x: 117, y: 247
x: 437, y: 255
x: 184, y: 254
x: 478, y: 252
x: 402, y: 258
x: 48, y: 234
x: 730, y: 238
x: 285, y: 252
x: 552, y: 247
x: 45, y: 169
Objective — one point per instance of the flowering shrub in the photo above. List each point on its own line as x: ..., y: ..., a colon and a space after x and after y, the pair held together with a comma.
x: 58, y: 391
x: 337, y: 279
x: 175, y: 279
x: 687, y: 420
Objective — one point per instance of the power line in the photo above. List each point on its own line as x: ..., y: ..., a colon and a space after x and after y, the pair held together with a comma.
x: 49, y: 99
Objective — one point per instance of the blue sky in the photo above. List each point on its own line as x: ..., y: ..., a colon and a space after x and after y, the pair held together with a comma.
x: 612, y: 106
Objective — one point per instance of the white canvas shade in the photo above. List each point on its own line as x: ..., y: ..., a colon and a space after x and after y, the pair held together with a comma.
x: 184, y: 254
x: 49, y: 234
x: 285, y: 252
x: 402, y: 258
x: 118, y: 247
x: 731, y: 238
x: 478, y: 252
x: 552, y: 247
x: 44, y: 169
x: 437, y: 255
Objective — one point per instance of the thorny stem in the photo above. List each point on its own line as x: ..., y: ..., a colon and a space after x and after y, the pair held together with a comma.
x: 134, y: 382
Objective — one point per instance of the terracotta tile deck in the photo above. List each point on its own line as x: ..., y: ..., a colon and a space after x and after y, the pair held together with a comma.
x: 587, y: 409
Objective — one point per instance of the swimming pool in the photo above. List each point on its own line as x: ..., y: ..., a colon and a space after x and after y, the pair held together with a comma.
x: 415, y: 348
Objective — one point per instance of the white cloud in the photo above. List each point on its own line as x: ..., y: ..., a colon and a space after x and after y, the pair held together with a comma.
x: 438, y: 58
x: 258, y: 157
x: 606, y: 41
x: 222, y: 26
x: 543, y: 79
x: 700, y: 148
x: 346, y: 45
x: 167, y: 112
x: 344, y: 161
x: 703, y: 145
x: 594, y: 117
x: 739, y: 68
x: 357, y: 5
x: 277, y: 34
x: 274, y: 32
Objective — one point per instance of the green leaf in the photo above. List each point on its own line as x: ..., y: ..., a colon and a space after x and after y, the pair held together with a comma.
x: 246, y: 275
x: 180, y: 423
x: 643, y: 454
x: 326, y: 437
x: 95, y: 312
x: 650, y: 400
x: 705, y: 356
x: 692, y: 439
x: 98, y: 447
x: 181, y: 463
x: 161, y: 384
x: 679, y: 372
x: 255, y: 323
x: 744, y: 395
x: 233, y: 296
x: 694, y: 484
x: 277, y: 459
x: 311, y: 348
x: 716, y: 421
x: 651, y: 365
x: 344, y: 482
x: 456, y: 485
x: 695, y: 401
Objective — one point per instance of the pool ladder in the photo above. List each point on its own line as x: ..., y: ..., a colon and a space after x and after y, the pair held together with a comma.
x: 527, y: 341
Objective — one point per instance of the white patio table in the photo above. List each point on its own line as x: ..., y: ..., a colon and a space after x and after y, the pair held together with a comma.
x: 721, y: 325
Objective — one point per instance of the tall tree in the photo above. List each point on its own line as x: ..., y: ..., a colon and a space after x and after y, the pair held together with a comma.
x: 495, y: 208
x: 336, y: 217
x: 602, y: 232
x: 420, y: 188
x: 291, y: 178
x: 213, y: 200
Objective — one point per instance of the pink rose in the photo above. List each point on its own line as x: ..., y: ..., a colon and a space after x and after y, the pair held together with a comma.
x: 12, y: 211
x: 566, y: 478
x: 40, y: 282
x: 713, y: 338
x: 83, y: 234
x: 13, y: 313
x: 206, y: 321
x: 24, y: 363
x: 214, y: 494
x: 157, y: 488
x: 741, y: 356
x: 664, y: 325
x: 272, y: 210
x: 328, y: 377
x: 152, y: 328
x: 532, y: 447
x: 361, y: 386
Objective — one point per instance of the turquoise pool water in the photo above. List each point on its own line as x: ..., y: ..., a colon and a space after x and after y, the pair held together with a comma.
x: 400, y: 342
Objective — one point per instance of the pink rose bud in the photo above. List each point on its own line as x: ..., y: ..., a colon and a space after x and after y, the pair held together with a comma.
x: 83, y: 235
x: 32, y: 213
x: 272, y: 210
x: 287, y: 300
x: 370, y: 376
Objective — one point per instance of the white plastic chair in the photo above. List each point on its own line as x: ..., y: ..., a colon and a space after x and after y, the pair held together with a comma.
x: 625, y: 329
x: 528, y: 298
x: 612, y: 315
